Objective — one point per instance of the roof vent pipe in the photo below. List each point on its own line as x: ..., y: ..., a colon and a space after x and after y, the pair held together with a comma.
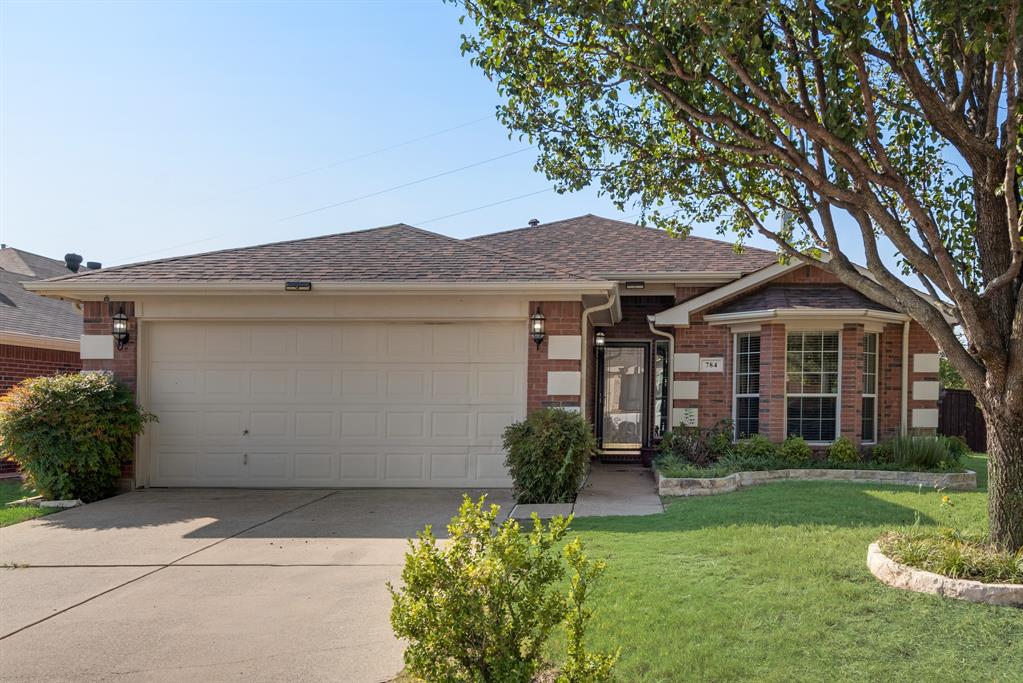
x: 73, y: 262
x: 93, y: 265
x: 533, y: 222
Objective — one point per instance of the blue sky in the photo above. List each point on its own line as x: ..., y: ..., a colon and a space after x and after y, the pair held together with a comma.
x: 138, y: 131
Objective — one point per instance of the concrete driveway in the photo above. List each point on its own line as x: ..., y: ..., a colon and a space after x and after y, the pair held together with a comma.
x: 212, y: 584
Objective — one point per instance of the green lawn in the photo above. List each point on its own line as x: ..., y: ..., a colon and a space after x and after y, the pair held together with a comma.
x: 12, y: 489
x: 771, y: 584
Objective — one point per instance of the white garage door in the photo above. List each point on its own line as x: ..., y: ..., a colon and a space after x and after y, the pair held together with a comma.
x: 333, y: 404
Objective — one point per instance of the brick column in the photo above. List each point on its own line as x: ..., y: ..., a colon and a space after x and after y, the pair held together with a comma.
x: 852, y: 383
x: 552, y: 370
x: 97, y: 320
x: 772, y: 381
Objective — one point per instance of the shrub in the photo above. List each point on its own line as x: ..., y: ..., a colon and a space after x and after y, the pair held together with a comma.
x: 482, y: 607
x: 957, y: 446
x: 843, y: 451
x: 70, y: 434
x: 923, y: 452
x: 757, y: 446
x: 696, y: 446
x: 582, y: 666
x: 795, y: 451
x: 881, y: 454
x: 548, y: 454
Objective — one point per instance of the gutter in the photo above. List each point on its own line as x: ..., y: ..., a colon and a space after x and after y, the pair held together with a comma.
x: 904, y: 427
x: 671, y: 367
x: 584, y: 403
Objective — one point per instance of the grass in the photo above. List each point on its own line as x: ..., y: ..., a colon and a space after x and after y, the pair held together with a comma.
x: 771, y: 584
x: 951, y: 553
x: 12, y: 489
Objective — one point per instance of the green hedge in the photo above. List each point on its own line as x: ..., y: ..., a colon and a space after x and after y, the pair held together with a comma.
x: 548, y: 454
x: 70, y: 434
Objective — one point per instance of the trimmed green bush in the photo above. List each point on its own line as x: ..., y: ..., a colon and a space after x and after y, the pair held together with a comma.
x: 757, y: 446
x: 548, y: 454
x: 70, y: 434
x: 795, y: 451
x: 924, y: 452
x: 480, y: 609
x: 881, y: 453
x: 843, y: 451
x: 957, y: 446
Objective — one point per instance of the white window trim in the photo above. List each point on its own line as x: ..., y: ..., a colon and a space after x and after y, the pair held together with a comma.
x: 837, y: 396
x: 735, y: 383
x: 877, y: 383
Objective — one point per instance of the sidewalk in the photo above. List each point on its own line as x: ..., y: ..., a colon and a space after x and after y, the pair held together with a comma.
x: 618, y: 490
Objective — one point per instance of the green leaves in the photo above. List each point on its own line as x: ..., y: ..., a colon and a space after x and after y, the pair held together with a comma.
x: 70, y: 434
x: 481, y: 609
x: 548, y: 454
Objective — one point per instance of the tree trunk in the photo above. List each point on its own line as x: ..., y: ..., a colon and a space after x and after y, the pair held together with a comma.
x: 1005, y: 479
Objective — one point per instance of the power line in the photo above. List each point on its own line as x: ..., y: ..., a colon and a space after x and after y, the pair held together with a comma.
x: 404, y: 185
x: 484, y: 206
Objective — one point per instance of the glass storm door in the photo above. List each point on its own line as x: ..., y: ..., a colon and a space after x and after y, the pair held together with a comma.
x: 624, y: 396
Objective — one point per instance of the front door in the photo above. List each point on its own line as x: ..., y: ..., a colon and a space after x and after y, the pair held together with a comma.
x: 623, y: 395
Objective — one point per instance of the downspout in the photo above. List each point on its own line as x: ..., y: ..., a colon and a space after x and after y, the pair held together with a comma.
x: 904, y: 427
x: 671, y: 365
x: 584, y: 357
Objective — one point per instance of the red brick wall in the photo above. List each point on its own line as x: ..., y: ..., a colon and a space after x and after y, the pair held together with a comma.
x: 715, y: 394
x: 889, y: 403
x: 851, y: 397
x: 772, y: 381
x: 125, y: 362
x: 124, y: 365
x: 562, y: 318
x: 21, y: 362
x: 919, y: 342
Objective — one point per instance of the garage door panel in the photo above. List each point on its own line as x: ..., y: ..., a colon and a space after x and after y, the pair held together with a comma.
x: 333, y: 404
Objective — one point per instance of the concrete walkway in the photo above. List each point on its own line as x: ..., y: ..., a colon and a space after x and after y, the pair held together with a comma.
x: 618, y: 490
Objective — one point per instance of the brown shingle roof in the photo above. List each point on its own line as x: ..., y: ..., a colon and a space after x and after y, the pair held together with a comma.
x: 598, y: 246
x: 800, y: 296
x: 33, y: 266
x: 396, y: 253
x: 23, y: 312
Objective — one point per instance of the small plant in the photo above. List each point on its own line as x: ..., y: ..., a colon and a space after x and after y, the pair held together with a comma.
x: 843, y: 451
x: 696, y: 446
x: 795, y: 451
x: 955, y: 555
x: 881, y: 454
x: 923, y: 452
x: 957, y: 446
x: 481, y: 608
x: 757, y: 446
x: 548, y: 454
x: 582, y: 666
x: 70, y: 434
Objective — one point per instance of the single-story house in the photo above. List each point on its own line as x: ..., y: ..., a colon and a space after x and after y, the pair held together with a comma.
x: 396, y: 356
x: 38, y: 336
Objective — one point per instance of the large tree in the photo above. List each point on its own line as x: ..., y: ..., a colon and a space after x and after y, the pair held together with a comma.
x: 815, y: 124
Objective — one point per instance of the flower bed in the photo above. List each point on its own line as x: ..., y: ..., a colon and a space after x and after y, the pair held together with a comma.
x: 898, y: 575
x: 708, y: 486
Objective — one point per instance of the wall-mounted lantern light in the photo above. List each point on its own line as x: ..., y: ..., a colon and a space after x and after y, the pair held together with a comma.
x: 536, y: 327
x: 120, y: 328
x: 599, y: 338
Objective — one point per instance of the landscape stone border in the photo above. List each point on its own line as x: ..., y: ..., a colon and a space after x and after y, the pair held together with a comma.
x: 898, y: 575
x: 693, y: 486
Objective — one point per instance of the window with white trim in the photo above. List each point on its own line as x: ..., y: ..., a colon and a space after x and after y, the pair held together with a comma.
x: 868, y: 421
x: 811, y: 387
x: 747, y: 384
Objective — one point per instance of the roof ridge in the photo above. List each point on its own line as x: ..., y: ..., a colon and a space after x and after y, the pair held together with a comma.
x: 524, y: 259
x: 170, y: 259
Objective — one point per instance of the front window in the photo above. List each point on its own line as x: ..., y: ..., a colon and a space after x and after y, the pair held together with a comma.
x: 747, y: 384
x: 811, y: 388
x: 869, y: 420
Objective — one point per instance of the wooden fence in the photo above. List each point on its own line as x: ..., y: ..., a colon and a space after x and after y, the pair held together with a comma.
x: 958, y: 415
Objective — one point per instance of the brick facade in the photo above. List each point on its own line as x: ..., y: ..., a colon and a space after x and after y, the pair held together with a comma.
x: 21, y: 362
x: 562, y: 318
x: 98, y: 321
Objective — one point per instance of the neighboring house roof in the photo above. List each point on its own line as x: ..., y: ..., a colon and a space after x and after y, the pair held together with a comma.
x: 605, y: 247
x: 393, y: 254
x: 794, y: 296
x: 27, y: 319
x: 33, y: 266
